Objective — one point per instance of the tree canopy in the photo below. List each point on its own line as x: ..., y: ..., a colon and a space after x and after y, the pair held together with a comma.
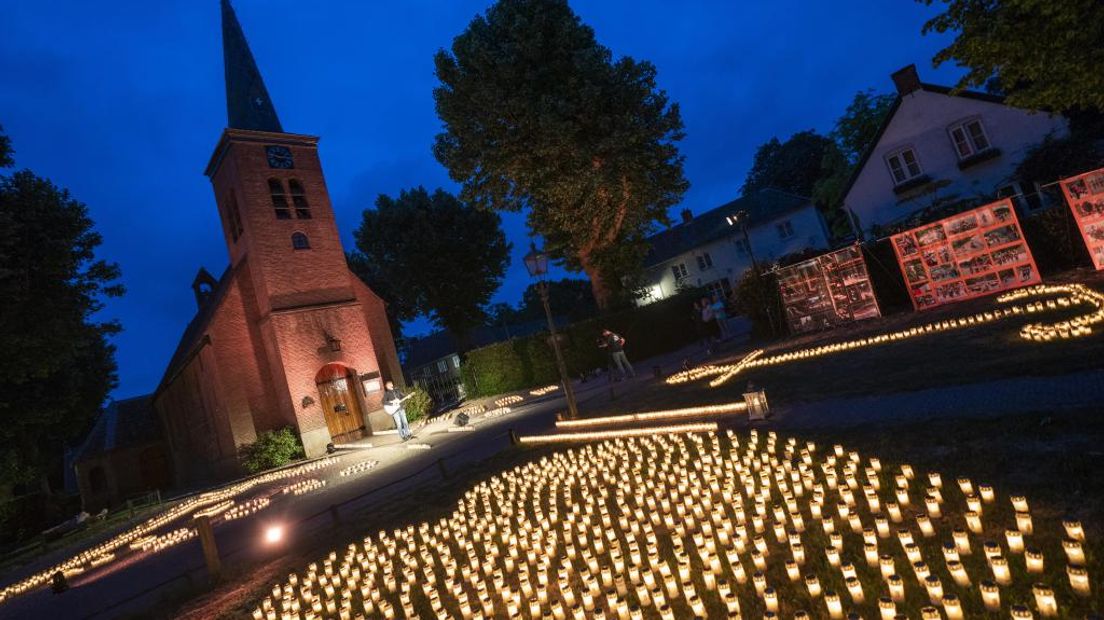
x: 58, y: 364
x: 1044, y: 54
x: 539, y: 116
x: 853, y: 133
x: 793, y: 166
x: 431, y: 254
x: 568, y: 297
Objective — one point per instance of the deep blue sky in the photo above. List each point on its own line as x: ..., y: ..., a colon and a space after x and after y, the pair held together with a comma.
x: 122, y: 102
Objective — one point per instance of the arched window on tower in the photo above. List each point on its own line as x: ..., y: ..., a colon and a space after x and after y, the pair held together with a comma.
x: 279, y: 199
x: 299, y: 241
x: 299, y: 199
x: 233, y: 217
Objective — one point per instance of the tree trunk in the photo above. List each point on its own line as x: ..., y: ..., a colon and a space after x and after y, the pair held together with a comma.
x: 603, y: 295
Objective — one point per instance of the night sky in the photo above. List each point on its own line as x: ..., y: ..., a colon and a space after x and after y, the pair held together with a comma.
x: 122, y: 102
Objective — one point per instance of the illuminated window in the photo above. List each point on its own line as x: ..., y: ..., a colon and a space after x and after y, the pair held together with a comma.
x: 903, y: 165
x: 279, y: 199
x: 299, y: 241
x: 969, y: 138
x: 299, y: 199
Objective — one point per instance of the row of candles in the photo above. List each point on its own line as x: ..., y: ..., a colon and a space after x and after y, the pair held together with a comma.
x: 247, y: 508
x: 358, y: 468
x: 106, y: 551
x: 508, y: 400
x: 303, y: 487
x: 548, y: 389
x: 693, y: 525
x: 652, y: 416
x: 1071, y: 295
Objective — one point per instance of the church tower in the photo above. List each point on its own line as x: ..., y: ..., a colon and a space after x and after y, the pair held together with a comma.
x: 288, y: 336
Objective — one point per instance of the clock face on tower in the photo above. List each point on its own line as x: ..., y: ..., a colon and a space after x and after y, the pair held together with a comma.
x: 279, y: 157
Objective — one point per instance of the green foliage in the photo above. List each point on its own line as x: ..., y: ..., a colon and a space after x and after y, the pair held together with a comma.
x: 58, y: 364
x: 419, y: 406
x: 538, y: 115
x: 272, y: 449
x: 6, y: 160
x: 569, y: 297
x: 432, y: 254
x: 524, y: 363
x: 1057, y: 158
x: 1055, y: 240
x: 793, y: 166
x: 1044, y: 54
x: 758, y: 298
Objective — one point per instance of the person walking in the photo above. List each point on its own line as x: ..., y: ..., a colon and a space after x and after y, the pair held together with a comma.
x: 392, y: 404
x: 720, y: 316
x: 615, y: 346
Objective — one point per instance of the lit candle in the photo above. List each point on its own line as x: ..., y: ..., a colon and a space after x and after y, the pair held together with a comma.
x: 1015, y: 540
x: 896, y: 588
x: 1034, y: 560
x: 1073, y: 529
x: 1079, y: 579
x: 835, y: 607
x: 1001, y: 572
x: 1044, y: 600
x: 887, y: 608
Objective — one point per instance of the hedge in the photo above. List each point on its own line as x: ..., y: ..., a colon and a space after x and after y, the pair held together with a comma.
x: 523, y: 363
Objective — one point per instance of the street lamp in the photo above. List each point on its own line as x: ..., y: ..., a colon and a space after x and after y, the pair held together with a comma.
x: 536, y: 262
x: 740, y: 218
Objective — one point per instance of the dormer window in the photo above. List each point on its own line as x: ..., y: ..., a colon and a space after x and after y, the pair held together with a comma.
x: 969, y: 138
x: 903, y: 165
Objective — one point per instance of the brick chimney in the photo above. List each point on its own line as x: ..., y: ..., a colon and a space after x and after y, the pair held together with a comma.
x: 687, y: 216
x: 906, y: 80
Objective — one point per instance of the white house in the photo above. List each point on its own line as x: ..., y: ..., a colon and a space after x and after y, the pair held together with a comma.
x: 936, y: 147
x: 707, y: 251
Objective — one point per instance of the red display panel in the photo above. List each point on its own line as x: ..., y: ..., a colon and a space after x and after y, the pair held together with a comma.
x: 968, y: 255
x: 1085, y: 195
x: 828, y: 290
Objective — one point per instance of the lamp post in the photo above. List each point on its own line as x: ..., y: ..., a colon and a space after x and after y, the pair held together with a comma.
x: 536, y: 262
x: 740, y: 219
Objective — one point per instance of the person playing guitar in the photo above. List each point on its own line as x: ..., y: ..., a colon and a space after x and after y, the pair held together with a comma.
x: 392, y: 404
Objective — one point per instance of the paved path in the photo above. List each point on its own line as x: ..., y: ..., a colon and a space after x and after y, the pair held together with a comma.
x: 987, y: 399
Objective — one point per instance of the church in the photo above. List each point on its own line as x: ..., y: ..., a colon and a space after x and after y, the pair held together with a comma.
x: 287, y: 335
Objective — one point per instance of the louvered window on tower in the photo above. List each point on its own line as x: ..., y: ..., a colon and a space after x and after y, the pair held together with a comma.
x: 279, y: 199
x: 299, y: 199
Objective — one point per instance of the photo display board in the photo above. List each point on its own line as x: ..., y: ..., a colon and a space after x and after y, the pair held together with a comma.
x: 828, y: 290
x: 968, y: 255
x: 1085, y: 195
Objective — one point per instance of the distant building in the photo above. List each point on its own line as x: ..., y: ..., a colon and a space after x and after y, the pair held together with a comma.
x: 288, y: 336
x: 706, y: 251
x: 123, y: 455
x: 936, y: 147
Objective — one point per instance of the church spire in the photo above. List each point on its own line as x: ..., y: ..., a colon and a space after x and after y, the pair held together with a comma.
x: 247, y: 102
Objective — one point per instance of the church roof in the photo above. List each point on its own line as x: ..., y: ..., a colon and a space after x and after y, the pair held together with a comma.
x: 123, y: 424
x: 248, y: 105
x: 197, y: 328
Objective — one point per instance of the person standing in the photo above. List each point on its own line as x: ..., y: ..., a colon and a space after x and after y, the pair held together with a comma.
x: 719, y: 315
x: 392, y: 404
x: 710, y: 324
x: 615, y: 346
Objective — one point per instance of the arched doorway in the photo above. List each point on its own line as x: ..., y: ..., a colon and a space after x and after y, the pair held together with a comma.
x: 340, y: 405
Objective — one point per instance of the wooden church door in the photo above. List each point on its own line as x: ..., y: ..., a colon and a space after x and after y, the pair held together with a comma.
x: 340, y: 404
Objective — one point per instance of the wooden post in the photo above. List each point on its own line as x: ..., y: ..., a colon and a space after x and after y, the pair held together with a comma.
x: 210, y: 548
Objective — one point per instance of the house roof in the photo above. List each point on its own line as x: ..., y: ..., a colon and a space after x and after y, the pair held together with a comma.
x: 931, y: 88
x: 197, y: 327
x: 761, y: 206
x: 123, y: 424
x: 427, y: 349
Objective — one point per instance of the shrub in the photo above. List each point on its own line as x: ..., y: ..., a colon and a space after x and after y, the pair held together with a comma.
x: 272, y: 449
x: 759, y: 300
x: 419, y: 405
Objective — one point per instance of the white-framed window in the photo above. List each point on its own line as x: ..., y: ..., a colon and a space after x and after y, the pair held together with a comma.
x: 785, y: 229
x: 742, y: 247
x: 680, y: 271
x: 705, y: 261
x: 442, y: 366
x: 969, y: 137
x: 455, y: 361
x: 1027, y: 196
x: 903, y: 165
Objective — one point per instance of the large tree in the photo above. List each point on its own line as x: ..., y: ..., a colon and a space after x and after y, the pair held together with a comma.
x: 538, y: 115
x: 853, y: 133
x: 1045, y: 54
x: 58, y: 364
x: 793, y: 166
x: 432, y: 254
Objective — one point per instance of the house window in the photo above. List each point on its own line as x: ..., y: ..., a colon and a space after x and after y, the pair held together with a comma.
x: 233, y: 217
x: 705, y: 261
x: 720, y: 287
x: 299, y: 241
x: 455, y: 361
x: 1027, y: 196
x: 299, y: 199
x: 680, y: 271
x: 279, y: 199
x: 785, y: 229
x: 903, y: 165
x: 442, y: 366
x: 742, y: 247
x: 969, y: 138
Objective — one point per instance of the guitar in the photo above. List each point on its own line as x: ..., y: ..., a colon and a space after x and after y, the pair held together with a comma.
x: 393, y: 406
